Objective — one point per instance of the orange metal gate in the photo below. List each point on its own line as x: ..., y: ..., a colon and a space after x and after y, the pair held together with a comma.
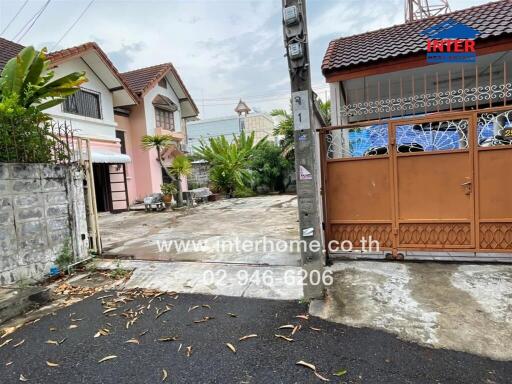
x: 435, y: 183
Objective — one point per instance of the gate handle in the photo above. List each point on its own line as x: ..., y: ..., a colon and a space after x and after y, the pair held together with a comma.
x: 467, y: 187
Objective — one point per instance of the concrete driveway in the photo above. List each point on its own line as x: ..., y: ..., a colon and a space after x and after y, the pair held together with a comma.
x: 454, y: 306
x: 223, y: 251
x: 207, y: 232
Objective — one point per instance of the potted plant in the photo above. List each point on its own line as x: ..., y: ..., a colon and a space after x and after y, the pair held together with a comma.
x: 168, y: 190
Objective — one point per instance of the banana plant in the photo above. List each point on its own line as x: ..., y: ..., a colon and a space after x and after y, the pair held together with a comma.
x: 27, y: 78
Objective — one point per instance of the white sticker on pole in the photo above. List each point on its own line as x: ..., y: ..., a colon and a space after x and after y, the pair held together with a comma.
x: 300, y: 106
x: 304, y: 174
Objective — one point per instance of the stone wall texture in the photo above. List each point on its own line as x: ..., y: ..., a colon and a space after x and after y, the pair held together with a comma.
x: 41, y: 208
x: 199, y: 176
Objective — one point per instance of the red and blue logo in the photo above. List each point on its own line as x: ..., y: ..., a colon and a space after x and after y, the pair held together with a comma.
x: 450, y: 42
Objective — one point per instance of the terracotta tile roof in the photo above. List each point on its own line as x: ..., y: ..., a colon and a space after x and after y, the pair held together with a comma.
x: 8, y: 49
x: 68, y: 53
x: 142, y: 80
x: 491, y: 20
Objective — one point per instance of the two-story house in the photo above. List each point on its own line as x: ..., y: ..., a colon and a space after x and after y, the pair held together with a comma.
x: 114, y: 111
x: 164, y: 107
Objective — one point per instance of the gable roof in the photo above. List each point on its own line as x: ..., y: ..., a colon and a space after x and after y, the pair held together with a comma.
x: 95, y: 57
x: 8, y: 49
x: 491, y: 20
x: 142, y: 80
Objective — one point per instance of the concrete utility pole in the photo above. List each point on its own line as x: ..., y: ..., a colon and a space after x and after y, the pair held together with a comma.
x: 307, y: 156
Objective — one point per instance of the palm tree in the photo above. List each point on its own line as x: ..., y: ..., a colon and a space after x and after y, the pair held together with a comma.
x: 158, y: 142
x: 26, y: 78
x: 230, y: 162
x: 285, y: 129
x: 181, y: 167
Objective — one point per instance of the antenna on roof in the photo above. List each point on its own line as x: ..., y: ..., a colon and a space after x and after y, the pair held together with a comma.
x: 421, y: 9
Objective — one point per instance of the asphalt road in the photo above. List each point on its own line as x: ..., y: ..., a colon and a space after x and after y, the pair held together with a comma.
x: 368, y: 356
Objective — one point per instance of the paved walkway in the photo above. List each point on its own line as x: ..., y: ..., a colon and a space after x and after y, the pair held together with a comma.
x: 456, y: 306
x: 213, y: 232
x: 187, y: 335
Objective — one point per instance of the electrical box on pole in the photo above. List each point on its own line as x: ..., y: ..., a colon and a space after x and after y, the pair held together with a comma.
x: 307, y: 158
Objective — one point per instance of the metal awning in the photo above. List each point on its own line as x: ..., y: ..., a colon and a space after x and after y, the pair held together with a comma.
x: 109, y: 157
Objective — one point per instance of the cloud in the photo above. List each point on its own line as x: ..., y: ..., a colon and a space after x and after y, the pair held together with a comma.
x: 223, y: 49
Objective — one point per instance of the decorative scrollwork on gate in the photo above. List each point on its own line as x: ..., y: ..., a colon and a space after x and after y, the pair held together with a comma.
x: 357, y: 142
x: 495, y: 128
x: 432, y: 136
x: 424, y: 101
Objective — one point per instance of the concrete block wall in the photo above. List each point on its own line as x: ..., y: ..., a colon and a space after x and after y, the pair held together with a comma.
x: 199, y: 176
x: 41, y: 207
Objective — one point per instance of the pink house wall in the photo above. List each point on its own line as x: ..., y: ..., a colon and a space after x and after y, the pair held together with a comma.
x: 146, y: 168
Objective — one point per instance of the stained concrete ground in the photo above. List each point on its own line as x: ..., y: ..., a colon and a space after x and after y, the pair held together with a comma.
x: 220, y: 265
x: 464, y: 307
x: 211, y: 226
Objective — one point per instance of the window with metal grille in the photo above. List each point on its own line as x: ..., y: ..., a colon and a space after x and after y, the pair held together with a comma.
x: 164, y: 119
x: 84, y: 103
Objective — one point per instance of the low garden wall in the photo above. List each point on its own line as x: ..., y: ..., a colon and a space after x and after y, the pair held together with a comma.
x: 41, y: 209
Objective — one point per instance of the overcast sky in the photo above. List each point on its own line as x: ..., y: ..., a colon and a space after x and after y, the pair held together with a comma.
x: 223, y: 49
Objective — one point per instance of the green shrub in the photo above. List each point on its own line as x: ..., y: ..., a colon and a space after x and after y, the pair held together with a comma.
x: 270, y: 167
x: 26, y: 135
x: 244, y: 192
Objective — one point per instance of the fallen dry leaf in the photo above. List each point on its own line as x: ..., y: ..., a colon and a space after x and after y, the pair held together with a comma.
x: 52, y: 342
x: 23, y: 378
x: 50, y: 364
x: 164, y: 375
x: 230, y: 346
x: 18, y: 344
x: 287, y: 326
x: 315, y: 329
x: 307, y: 365
x: 192, y: 308
x: 189, y: 351
x: 284, y: 338
x: 247, y: 337
x: 321, y: 377
x: 7, y: 331
x: 232, y: 314
x: 109, y: 310
x: 52, y: 329
x: 206, y: 306
x: 295, y: 329
x: 164, y: 311
x: 133, y: 341
x: 304, y: 317
x: 168, y: 338
x: 143, y: 333
x: 5, y: 343
x: 8, y: 363
x: 73, y: 326
x: 107, y: 358
x: 204, y: 319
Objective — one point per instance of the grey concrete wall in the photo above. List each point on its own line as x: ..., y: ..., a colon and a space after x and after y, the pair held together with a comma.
x: 41, y: 207
x: 199, y: 175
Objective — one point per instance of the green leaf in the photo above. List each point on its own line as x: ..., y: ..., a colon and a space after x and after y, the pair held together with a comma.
x: 341, y: 372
